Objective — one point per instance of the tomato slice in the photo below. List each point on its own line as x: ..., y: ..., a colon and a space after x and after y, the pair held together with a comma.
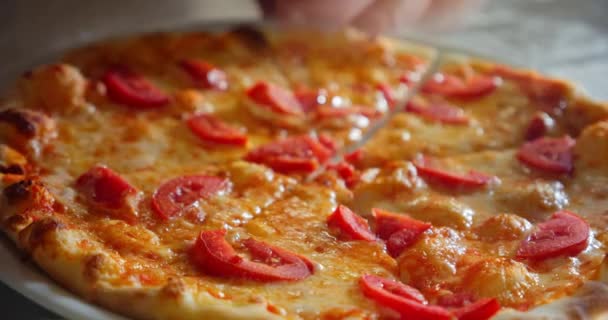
x: 293, y: 154
x: 454, y: 87
x: 408, y: 301
x: 439, y: 112
x: 105, y: 187
x: 127, y: 87
x: 354, y: 157
x: 328, y: 143
x: 351, y: 225
x: 539, y: 125
x: 308, y: 98
x: 481, y: 309
x: 387, y: 94
x: 211, y: 129
x: 565, y: 234
x: 275, y: 98
x: 551, y: 155
x: 213, y: 254
x: 472, y: 179
x: 398, y: 230
x: 346, y: 171
x: 205, y: 75
x: 173, y: 196
x: 455, y: 300
x: 548, y: 94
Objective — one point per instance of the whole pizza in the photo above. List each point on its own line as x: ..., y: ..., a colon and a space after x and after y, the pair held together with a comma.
x: 167, y: 176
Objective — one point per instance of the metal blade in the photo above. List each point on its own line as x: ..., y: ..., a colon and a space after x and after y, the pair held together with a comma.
x: 382, y: 122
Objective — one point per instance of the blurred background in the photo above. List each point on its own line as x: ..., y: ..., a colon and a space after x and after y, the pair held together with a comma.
x: 563, y: 38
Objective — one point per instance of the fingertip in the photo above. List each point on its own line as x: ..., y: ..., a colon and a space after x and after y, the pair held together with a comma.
x: 390, y: 14
x: 319, y: 13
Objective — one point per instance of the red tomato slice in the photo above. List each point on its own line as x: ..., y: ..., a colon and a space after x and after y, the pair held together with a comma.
x: 212, y: 253
x: 354, y: 156
x: 539, y: 125
x: 456, y: 300
x: 346, y: 171
x: 328, y: 143
x: 473, y: 179
x: 293, y: 154
x: 548, y: 94
x: 127, y: 87
x: 308, y: 98
x: 387, y: 94
x: 275, y: 98
x: 211, y: 129
x: 439, y: 112
x: 565, y: 234
x: 408, y: 301
x: 551, y: 155
x: 481, y: 309
x: 453, y: 87
x: 350, y: 224
x: 170, y: 199
x: 204, y: 74
x: 398, y: 230
x: 105, y: 187
x: 388, y: 223
x: 329, y: 112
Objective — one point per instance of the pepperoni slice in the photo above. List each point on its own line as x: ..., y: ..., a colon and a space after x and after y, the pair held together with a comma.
x: 539, y: 125
x: 329, y: 112
x: 565, y: 234
x: 105, y: 187
x: 275, y: 98
x: 454, y: 87
x: 481, y: 309
x: 205, y: 74
x: 473, y: 179
x: 398, y: 230
x: 551, y: 155
x: 439, y: 112
x: 408, y: 301
x: 351, y: 225
x: 211, y: 129
x: 173, y: 196
x: 295, y: 154
x: 127, y: 87
x: 213, y: 254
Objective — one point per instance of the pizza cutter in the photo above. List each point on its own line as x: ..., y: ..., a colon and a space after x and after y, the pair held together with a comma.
x: 400, y: 105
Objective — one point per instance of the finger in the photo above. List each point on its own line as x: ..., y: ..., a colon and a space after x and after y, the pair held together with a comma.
x: 443, y: 14
x: 319, y: 13
x: 385, y: 15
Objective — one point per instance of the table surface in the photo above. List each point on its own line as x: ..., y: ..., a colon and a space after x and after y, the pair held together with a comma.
x: 563, y: 38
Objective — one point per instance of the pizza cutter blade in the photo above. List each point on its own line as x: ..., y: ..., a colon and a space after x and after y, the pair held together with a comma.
x: 400, y: 105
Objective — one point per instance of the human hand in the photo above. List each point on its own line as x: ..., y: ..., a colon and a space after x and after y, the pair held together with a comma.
x: 371, y: 15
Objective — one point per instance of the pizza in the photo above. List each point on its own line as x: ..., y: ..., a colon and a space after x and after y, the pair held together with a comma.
x: 165, y: 176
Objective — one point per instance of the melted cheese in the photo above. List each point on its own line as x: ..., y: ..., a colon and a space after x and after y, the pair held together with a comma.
x: 474, y: 236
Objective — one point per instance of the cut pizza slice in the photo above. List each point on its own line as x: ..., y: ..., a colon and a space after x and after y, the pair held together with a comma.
x: 471, y: 106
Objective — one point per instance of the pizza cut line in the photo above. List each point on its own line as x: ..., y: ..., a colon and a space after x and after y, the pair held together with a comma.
x: 162, y: 176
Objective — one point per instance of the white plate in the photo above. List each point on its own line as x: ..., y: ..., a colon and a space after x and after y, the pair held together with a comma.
x: 25, y: 278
